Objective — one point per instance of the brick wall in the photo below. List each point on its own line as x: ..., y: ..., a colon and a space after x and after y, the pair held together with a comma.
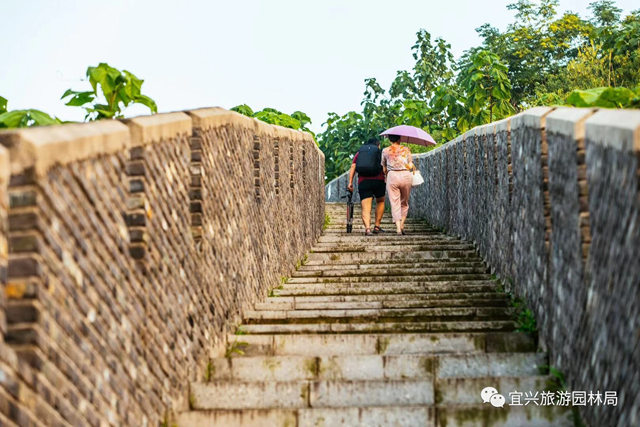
x: 133, y: 248
x: 551, y: 198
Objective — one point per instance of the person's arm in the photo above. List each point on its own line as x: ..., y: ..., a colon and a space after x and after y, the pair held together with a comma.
x: 384, y: 164
x: 412, y: 166
x: 352, y: 173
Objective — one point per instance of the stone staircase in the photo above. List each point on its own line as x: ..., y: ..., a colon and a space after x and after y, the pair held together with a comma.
x: 377, y: 331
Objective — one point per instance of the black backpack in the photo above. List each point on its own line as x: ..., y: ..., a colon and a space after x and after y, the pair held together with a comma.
x: 368, y: 161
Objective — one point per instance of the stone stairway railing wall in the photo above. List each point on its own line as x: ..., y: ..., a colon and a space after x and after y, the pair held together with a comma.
x: 129, y: 248
x: 551, y: 198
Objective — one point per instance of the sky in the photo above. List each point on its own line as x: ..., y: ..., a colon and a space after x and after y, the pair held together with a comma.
x: 287, y: 54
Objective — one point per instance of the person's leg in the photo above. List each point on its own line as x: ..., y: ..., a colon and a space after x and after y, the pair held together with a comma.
x: 379, y: 210
x: 394, y: 200
x: 405, y: 192
x: 366, y: 212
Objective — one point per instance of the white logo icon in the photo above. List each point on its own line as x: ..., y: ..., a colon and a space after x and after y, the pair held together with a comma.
x: 491, y: 395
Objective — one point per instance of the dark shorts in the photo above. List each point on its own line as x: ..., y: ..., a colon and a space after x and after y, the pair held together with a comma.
x: 371, y: 188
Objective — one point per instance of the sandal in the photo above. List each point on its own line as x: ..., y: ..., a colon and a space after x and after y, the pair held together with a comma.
x: 377, y: 229
x: 367, y: 232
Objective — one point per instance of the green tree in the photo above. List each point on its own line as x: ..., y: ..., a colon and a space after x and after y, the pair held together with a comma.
x: 486, y: 87
x: 541, y: 58
x: 409, y: 100
x: 118, y: 90
x: 23, y: 118
x: 298, y: 120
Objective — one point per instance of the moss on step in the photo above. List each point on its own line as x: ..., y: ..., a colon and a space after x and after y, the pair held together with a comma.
x: 327, y: 221
x: 236, y: 348
x: 382, y: 343
x: 312, y: 366
x: 210, y: 372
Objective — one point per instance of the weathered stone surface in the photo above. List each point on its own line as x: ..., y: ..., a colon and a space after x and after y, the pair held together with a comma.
x: 565, y: 133
x: 333, y: 358
x: 502, y: 202
x: 530, y: 252
x: 610, y: 339
x: 113, y: 304
x: 560, y: 227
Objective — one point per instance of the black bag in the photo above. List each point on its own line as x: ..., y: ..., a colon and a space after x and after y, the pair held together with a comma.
x: 368, y: 161
x: 350, y: 204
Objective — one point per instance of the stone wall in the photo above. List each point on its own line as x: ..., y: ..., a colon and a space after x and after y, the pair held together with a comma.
x: 133, y: 248
x: 551, y: 198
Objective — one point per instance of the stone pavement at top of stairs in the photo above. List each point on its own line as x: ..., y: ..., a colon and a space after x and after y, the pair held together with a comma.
x: 383, y: 330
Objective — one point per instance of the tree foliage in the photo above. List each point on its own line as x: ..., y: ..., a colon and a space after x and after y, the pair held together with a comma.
x: 23, y: 118
x: 541, y: 58
x: 118, y: 90
x: 297, y: 120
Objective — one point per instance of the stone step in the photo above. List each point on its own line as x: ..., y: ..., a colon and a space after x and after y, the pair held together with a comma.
x: 467, y: 390
x: 412, y: 232
x: 507, y: 416
x: 359, y: 232
x: 312, y: 417
x: 397, y: 265
x: 387, y: 238
x: 377, y: 315
x: 364, y: 241
x: 373, y: 272
x: 377, y: 367
x: 381, y: 247
x: 422, y: 278
x: 333, y: 368
x: 387, y: 300
x: 383, y: 288
x: 278, y: 304
x: 302, y: 394
x: 390, y: 256
x: 450, y: 416
x: 388, y: 344
x: 381, y: 327
x: 386, y: 222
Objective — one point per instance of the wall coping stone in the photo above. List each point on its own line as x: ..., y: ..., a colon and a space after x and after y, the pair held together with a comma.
x: 157, y: 127
x: 619, y: 129
x: 488, y: 129
x: 4, y: 165
x: 533, y: 118
x: 206, y: 118
x: 45, y: 146
x: 435, y: 150
x: 470, y: 133
x: 504, y: 124
x: 569, y: 121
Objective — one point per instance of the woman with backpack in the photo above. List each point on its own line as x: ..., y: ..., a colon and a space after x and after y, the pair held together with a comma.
x: 366, y: 163
x: 397, y: 165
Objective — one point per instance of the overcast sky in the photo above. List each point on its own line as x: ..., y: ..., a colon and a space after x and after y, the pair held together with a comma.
x: 287, y: 54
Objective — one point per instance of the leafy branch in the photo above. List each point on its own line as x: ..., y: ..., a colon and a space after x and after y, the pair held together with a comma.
x: 118, y: 90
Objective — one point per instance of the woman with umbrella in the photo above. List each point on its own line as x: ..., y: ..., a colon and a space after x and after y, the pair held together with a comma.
x: 398, y: 167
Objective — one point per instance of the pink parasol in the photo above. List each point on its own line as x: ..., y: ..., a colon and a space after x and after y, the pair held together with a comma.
x: 410, y: 134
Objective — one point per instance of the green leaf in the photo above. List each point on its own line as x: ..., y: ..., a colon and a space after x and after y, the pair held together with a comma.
x: 79, y: 98
x: 119, y: 90
x: 145, y: 100
x: 243, y: 109
x: 615, y: 97
x: 26, y: 118
x: 42, y: 119
x: 585, y: 98
x: 11, y: 119
x: 3, y: 105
